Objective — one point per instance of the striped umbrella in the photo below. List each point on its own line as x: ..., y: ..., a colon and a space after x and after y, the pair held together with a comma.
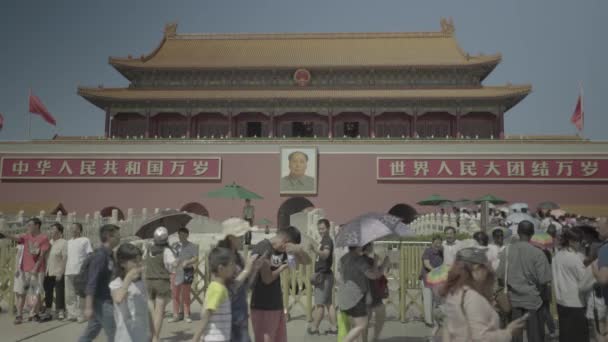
x: 542, y: 240
x: 438, y: 275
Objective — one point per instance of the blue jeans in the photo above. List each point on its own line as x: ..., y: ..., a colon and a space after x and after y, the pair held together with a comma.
x: 240, y: 331
x: 103, y: 317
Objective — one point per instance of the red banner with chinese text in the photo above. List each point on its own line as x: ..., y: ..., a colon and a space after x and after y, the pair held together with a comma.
x: 592, y: 169
x: 110, y: 168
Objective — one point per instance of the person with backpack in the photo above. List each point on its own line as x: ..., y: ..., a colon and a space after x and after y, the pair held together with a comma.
x: 159, y: 262
x: 79, y: 247
x: 96, y: 273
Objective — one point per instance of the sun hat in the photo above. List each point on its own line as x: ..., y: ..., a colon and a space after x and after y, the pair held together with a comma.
x: 235, y: 226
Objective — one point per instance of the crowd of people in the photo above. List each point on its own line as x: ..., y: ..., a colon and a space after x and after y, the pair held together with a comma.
x: 501, y: 288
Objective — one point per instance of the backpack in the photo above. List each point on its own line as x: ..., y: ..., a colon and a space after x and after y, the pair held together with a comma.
x: 82, y: 278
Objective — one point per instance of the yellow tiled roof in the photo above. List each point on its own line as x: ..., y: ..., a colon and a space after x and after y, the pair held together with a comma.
x: 309, y: 50
x: 299, y: 93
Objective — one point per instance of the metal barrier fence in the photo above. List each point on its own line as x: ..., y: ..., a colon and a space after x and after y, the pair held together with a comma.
x: 404, y: 302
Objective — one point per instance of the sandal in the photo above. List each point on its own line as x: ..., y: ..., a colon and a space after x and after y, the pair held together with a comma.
x: 18, y: 320
x: 312, y: 332
x: 331, y: 332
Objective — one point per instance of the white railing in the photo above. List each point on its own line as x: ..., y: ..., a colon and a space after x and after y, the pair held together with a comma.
x: 431, y: 223
x: 90, y: 222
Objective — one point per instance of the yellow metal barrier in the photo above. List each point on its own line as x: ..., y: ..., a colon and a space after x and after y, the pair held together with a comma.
x: 404, y: 284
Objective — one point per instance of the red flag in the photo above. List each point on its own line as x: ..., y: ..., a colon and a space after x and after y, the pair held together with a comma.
x: 1, y: 121
x: 36, y: 107
x: 578, y: 116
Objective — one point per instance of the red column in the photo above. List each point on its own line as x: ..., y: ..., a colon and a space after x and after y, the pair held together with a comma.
x: 107, y: 124
x: 271, y: 128
x: 189, y: 129
x: 331, y: 123
x: 230, y: 124
x: 372, y: 126
x: 414, y: 121
x: 148, y: 115
x: 501, y: 124
x: 457, y: 128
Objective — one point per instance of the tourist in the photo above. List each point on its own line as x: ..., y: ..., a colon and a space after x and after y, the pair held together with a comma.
x: 378, y: 291
x: 267, y: 314
x: 131, y: 311
x: 36, y: 246
x: 450, y: 245
x: 354, y: 290
x: 99, y: 309
x: 568, y: 271
x: 183, y: 275
x: 249, y: 212
x: 528, y: 272
x: 431, y: 259
x: 19, y: 281
x: 235, y: 229
x: 249, y: 216
x: 470, y: 315
x: 79, y: 247
x: 323, y: 279
x: 216, y: 317
x: 496, y: 247
x: 54, y: 281
x: 158, y: 264
x: 297, y: 179
x: 547, y: 297
x: 596, y: 306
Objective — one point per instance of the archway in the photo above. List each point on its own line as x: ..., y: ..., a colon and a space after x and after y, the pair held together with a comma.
x: 107, y: 212
x: 290, y: 207
x: 195, y: 208
x: 405, y: 212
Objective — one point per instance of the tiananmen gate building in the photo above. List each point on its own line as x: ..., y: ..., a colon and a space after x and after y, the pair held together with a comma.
x: 348, y: 122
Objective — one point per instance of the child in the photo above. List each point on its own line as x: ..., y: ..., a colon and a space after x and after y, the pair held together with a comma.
x: 130, y: 298
x: 217, y: 316
x: 19, y: 287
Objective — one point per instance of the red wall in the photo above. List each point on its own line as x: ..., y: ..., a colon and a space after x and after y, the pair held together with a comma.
x: 347, y: 187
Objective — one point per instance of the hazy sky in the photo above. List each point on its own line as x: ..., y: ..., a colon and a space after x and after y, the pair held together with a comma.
x: 53, y: 46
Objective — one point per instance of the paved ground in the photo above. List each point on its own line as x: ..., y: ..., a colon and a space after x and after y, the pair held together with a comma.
x: 64, y: 331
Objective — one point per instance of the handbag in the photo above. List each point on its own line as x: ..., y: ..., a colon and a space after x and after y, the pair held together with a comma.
x: 317, y: 279
x: 188, y: 275
x: 503, y: 302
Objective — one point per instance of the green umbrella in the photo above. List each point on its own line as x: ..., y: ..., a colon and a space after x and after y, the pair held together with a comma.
x: 490, y: 198
x: 433, y: 200
x: 233, y: 191
x: 548, y: 205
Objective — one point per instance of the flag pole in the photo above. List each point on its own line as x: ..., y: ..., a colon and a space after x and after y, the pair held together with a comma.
x: 580, y: 89
x: 29, y: 116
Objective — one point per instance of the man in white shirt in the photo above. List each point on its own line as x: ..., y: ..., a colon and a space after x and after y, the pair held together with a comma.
x: 79, y: 248
x: 450, y: 245
x: 496, y: 247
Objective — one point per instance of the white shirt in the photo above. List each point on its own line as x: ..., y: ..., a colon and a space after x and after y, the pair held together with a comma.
x: 494, y: 255
x: 169, y: 259
x: 449, y: 252
x: 132, y: 316
x: 568, y: 271
x: 56, y: 261
x: 78, y: 249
